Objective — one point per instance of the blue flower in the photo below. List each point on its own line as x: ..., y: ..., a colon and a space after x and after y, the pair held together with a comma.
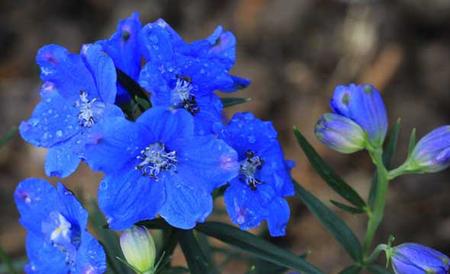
x: 123, y: 48
x: 183, y: 75
x: 340, y: 133
x: 412, y: 258
x: 256, y: 194
x: 57, y: 239
x: 432, y: 152
x: 157, y: 165
x: 78, y: 93
x: 362, y: 104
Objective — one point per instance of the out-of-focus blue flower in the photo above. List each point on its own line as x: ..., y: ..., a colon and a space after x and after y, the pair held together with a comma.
x: 77, y: 94
x: 185, y: 75
x: 340, y: 133
x: 256, y: 194
x: 362, y: 104
x: 123, y: 48
x: 412, y: 258
x: 158, y: 165
x: 432, y: 152
x: 57, y: 239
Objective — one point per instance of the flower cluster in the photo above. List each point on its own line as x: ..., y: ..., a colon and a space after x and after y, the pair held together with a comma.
x: 166, y: 161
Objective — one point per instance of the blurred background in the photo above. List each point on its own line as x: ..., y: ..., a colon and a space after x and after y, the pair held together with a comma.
x: 295, y: 52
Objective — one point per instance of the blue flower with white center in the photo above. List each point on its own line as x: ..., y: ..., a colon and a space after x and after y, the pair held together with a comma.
x: 158, y: 165
x: 412, y: 258
x: 78, y: 93
x: 257, y: 192
x: 123, y: 48
x: 431, y: 153
x: 185, y: 75
x: 57, y: 239
x: 362, y: 104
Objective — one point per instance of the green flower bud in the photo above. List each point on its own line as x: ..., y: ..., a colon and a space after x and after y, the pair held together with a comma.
x: 138, y: 248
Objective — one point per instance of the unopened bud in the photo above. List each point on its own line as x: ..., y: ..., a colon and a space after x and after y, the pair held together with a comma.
x: 138, y: 248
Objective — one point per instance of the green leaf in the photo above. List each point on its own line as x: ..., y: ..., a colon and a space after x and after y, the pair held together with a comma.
x: 327, y: 174
x: 197, y: 261
x: 231, y: 101
x: 109, y: 240
x: 353, y: 269
x: 132, y: 87
x: 347, y: 208
x: 391, y: 146
x: 8, y: 136
x: 335, y: 225
x: 256, y: 246
x: 412, y: 141
x: 376, y: 269
x: 7, y: 261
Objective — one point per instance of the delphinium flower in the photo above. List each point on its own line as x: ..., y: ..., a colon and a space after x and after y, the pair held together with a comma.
x: 123, y: 48
x: 78, y: 93
x: 363, y: 105
x: 431, y: 153
x: 340, y: 133
x: 57, y: 239
x: 157, y: 165
x: 412, y: 258
x: 185, y: 75
x: 257, y: 192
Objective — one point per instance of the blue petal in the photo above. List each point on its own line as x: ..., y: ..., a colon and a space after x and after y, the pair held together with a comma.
x: 102, y: 68
x: 158, y: 40
x: 123, y: 46
x: 187, y: 201
x: 421, y: 256
x: 128, y: 197
x: 91, y: 257
x: 208, y: 159
x: 63, y: 159
x: 167, y: 125
x: 152, y: 80
x: 70, y: 207
x: 53, y: 120
x: 404, y: 267
x: 34, y: 198
x: 275, y: 171
x: 278, y: 217
x: 210, y: 114
x: 243, y: 206
x: 65, y: 70
x: 114, y: 143
x: 43, y: 257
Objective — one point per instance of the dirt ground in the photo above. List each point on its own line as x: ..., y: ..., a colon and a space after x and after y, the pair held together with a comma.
x: 295, y: 52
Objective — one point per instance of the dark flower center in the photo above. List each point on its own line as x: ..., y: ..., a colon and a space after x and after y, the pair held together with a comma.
x: 183, y: 97
x: 154, y: 159
x: 249, y: 166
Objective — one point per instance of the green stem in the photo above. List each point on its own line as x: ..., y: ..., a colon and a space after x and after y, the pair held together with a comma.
x: 377, y: 211
x: 9, y: 264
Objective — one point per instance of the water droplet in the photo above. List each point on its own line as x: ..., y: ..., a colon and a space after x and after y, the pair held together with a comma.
x: 59, y: 133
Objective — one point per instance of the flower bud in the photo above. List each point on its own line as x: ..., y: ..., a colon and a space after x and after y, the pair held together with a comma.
x: 138, y: 248
x: 411, y: 258
x: 432, y: 152
x: 340, y: 133
x: 362, y: 104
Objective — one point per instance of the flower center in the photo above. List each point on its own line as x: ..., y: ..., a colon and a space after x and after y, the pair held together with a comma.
x: 154, y: 159
x: 182, y: 96
x: 86, y: 108
x: 249, y: 166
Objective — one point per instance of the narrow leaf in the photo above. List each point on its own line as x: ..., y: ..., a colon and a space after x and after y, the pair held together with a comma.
x: 347, y: 208
x: 197, y: 261
x: 131, y: 86
x: 376, y: 269
x: 327, y: 174
x: 232, y: 101
x: 412, y: 141
x: 8, y: 136
x: 353, y: 269
x: 256, y: 246
x: 391, y: 146
x: 335, y: 225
